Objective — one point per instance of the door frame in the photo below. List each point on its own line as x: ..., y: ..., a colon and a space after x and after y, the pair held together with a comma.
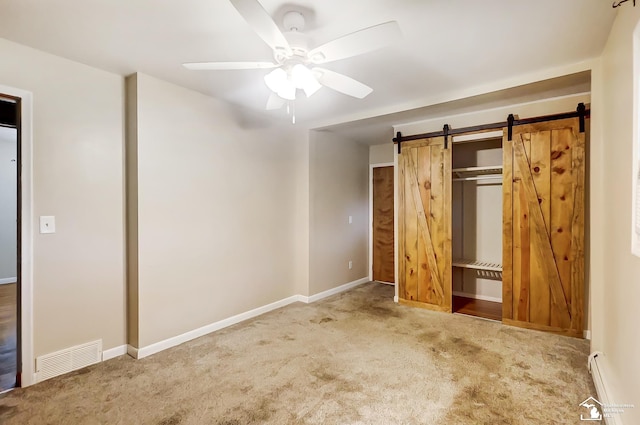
x: 371, y: 167
x: 26, y: 365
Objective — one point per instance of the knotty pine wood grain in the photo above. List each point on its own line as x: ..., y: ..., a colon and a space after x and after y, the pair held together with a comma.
x: 507, y: 227
x: 411, y: 227
x: 562, y: 206
x: 540, y: 166
x: 424, y: 178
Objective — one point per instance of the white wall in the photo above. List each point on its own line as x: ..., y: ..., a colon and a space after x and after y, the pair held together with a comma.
x: 78, y: 177
x: 301, y: 210
x: 616, y: 283
x: 339, y: 173
x: 216, y: 211
x: 381, y: 154
x: 8, y: 203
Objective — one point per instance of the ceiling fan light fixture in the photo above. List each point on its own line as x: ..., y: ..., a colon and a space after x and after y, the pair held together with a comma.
x: 276, y: 80
x: 287, y: 92
x: 303, y: 78
x: 279, y: 82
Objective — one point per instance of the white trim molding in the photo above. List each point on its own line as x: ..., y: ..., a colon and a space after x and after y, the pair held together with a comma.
x: 132, y: 351
x: 596, y: 365
x: 114, y: 352
x: 139, y: 353
x: 27, y: 367
x: 143, y: 352
x: 333, y: 291
x: 635, y: 157
x: 6, y: 280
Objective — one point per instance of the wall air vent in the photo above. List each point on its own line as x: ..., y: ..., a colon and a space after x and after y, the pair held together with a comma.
x: 68, y: 360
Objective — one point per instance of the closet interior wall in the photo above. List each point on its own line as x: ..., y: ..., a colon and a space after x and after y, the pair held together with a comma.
x: 477, y: 218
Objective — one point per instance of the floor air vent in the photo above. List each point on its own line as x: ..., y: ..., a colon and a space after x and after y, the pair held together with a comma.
x: 68, y: 360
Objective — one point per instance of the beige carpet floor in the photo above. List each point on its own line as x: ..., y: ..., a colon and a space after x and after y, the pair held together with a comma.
x: 355, y: 358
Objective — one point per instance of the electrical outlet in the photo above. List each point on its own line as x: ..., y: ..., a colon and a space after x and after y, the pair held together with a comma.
x: 350, y: 264
x: 350, y: 219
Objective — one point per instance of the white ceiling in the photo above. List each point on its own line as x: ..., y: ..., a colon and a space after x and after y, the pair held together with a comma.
x: 446, y: 45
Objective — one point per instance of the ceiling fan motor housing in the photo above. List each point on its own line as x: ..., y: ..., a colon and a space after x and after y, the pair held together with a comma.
x: 293, y: 21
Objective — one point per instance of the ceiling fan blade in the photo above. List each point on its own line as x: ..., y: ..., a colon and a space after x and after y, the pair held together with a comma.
x: 258, y: 18
x: 275, y: 102
x: 356, y: 43
x: 225, y: 66
x: 342, y: 83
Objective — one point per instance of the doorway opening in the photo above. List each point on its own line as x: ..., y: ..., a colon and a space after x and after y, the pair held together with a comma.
x: 382, y: 236
x: 10, y: 166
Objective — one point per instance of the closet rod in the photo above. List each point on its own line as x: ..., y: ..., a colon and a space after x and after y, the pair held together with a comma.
x: 495, y: 125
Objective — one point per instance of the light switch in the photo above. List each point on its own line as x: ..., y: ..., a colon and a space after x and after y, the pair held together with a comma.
x: 47, y: 224
x: 350, y: 219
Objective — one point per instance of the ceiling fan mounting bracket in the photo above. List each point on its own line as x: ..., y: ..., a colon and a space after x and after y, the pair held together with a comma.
x: 293, y: 21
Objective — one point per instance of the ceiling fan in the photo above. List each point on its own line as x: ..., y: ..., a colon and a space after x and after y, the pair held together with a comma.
x: 294, y: 65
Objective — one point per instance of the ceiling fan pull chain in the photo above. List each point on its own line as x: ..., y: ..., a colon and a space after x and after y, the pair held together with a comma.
x: 293, y: 112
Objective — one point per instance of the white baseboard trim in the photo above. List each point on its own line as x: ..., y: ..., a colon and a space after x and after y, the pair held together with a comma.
x: 111, y: 353
x: 333, y: 291
x: 139, y: 353
x: 6, y: 280
x: 395, y: 299
x: 132, y: 351
x: 143, y: 352
x: 597, y: 369
x: 586, y: 334
x: 477, y: 297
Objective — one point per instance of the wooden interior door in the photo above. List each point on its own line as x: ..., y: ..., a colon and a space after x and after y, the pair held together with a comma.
x: 543, y: 244
x: 424, y: 224
x: 382, y: 232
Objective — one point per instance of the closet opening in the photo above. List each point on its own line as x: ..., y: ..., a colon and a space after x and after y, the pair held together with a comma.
x: 476, y: 213
x: 9, y: 241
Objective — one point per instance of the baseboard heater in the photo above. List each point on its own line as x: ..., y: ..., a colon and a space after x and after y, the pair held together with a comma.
x: 68, y: 360
x: 597, y: 373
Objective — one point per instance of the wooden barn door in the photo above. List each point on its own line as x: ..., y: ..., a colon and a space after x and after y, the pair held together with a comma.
x: 424, y: 224
x: 543, y: 244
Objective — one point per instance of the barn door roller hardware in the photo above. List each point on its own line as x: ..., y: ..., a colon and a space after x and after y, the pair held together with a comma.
x: 510, y: 120
x: 581, y: 113
x: 445, y: 132
x: 618, y: 4
x: 399, y: 140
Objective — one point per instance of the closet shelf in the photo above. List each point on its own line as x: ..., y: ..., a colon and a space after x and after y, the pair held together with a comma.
x: 477, y: 265
x: 477, y: 173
